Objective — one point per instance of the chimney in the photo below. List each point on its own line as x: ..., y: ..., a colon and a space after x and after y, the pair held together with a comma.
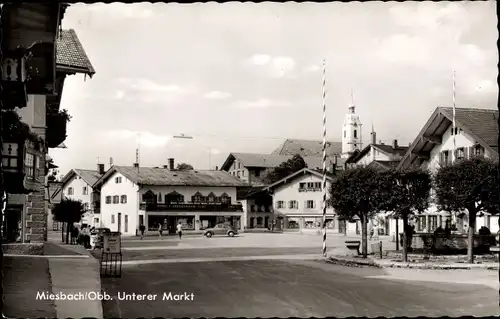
x: 216, y: 168
x: 171, y: 164
x: 334, y: 164
x: 165, y: 166
x: 395, y: 144
x: 100, y: 169
x: 136, y: 164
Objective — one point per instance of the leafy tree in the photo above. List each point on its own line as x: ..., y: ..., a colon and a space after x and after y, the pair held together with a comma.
x: 184, y: 167
x: 470, y: 185
x: 294, y: 164
x: 68, y: 211
x: 405, y: 193
x: 355, y: 193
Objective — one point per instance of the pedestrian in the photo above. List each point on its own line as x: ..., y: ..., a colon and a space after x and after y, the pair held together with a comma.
x: 160, y: 230
x: 179, y: 230
x: 142, y: 228
x: 273, y: 225
x: 372, y: 232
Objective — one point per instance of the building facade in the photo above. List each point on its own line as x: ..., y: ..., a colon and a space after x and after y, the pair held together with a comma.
x: 475, y: 134
x: 163, y: 197
x: 77, y: 185
x: 351, y: 133
x: 257, y: 207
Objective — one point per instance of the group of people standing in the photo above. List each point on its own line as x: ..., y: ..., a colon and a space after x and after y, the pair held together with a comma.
x: 81, y: 237
x: 142, y: 229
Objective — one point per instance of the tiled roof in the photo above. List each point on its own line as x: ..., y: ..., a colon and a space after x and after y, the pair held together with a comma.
x: 271, y: 161
x: 387, y: 164
x: 70, y: 52
x: 164, y: 177
x: 307, y: 148
x: 400, y: 150
x: 483, y: 123
x: 88, y: 176
x: 318, y: 173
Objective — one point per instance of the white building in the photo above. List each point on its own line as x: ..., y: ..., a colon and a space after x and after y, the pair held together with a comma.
x: 476, y: 135
x: 298, y: 200
x: 77, y: 185
x: 351, y: 133
x: 154, y: 197
x: 257, y: 207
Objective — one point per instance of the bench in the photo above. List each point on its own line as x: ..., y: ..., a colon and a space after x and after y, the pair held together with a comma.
x: 353, y: 245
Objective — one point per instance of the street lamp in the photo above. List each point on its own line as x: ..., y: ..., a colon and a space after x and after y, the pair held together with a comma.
x: 187, y: 137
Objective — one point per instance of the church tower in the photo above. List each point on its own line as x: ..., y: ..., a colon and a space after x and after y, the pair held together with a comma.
x: 351, y: 133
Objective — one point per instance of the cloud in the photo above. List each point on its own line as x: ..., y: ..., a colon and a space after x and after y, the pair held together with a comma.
x: 214, y: 151
x: 121, y: 10
x: 148, y: 91
x: 275, y: 66
x: 119, y: 95
x: 217, y: 95
x: 312, y: 68
x: 146, y: 139
x: 261, y: 104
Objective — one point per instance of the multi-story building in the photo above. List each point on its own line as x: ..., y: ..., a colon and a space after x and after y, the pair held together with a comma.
x: 163, y: 197
x: 77, y: 184
x: 475, y: 134
x: 32, y: 89
x: 297, y: 203
x: 257, y: 206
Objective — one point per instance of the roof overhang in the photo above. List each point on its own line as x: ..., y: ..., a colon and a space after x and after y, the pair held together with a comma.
x: 228, y: 162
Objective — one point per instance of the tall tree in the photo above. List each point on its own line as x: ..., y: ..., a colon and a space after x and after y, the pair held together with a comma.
x: 470, y: 185
x: 355, y: 193
x: 68, y: 211
x: 294, y: 164
x: 405, y: 193
x: 184, y: 167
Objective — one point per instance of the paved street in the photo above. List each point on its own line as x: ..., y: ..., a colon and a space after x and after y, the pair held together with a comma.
x: 288, y: 289
x: 278, y: 286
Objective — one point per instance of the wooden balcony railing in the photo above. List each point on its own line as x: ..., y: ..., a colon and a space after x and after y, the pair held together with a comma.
x: 203, y: 207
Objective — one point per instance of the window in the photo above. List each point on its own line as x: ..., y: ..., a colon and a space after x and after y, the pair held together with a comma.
x: 30, y: 166
x: 174, y: 197
x: 433, y: 221
x: 421, y: 223
x: 242, y: 173
x: 118, y: 180
x: 238, y: 173
x: 317, y: 185
x: 239, y: 165
x: 86, y: 206
x: 225, y: 199
x: 302, y: 185
x: 197, y: 198
x: 211, y: 198
x: 124, y: 199
x: 70, y: 191
x: 293, y: 204
x: 345, y: 134
x: 445, y: 158
x: 112, y: 218
x: 257, y: 172
x: 355, y: 134
x: 252, y: 208
x: 116, y: 199
x: 310, y: 185
x: 478, y: 150
x: 108, y: 199
x: 460, y: 153
x: 456, y: 131
x: 126, y: 224
x: 85, y: 190
x: 159, y: 197
x: 280, y: 204
x: 310, y: 204
x: 96, y: 221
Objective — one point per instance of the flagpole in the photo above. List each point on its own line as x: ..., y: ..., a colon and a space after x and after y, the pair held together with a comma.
x: 324, y: 160
x: 454, y: 124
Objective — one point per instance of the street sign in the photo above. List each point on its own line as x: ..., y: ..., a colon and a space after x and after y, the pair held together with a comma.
x: 112, y: 243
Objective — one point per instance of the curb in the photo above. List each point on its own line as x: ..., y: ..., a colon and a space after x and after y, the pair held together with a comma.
x: 370, y: 263
x: 48, y: 256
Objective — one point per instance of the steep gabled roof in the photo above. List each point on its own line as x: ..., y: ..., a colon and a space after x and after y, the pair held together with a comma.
x: 271, y: 161
x: 384, y: 148
x: 307, y: 148
x: 166, y: 177
x: 89, y: 176
x: 303, y: 171
x: 71, y: 55
x: 480, y: 124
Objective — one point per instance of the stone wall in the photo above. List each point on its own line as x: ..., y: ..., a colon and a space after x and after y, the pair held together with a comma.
x: 36, y: 211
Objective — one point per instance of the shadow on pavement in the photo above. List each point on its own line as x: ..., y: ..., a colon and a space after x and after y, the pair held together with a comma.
x: 24, y: 277
x: 50, y: 249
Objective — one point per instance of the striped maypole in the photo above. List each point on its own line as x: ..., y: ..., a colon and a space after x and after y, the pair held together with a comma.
x: 324, y: 160
x: 454, y: 124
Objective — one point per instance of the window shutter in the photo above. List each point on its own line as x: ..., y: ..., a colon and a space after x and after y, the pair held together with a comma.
x: 277, y: 204
x: 466, y: 153
x: 441, y: 158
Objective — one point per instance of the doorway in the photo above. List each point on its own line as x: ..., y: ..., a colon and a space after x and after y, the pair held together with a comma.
x: 126, y: 224
x: 119, y: 222
x: 266, y: 222
x: 12, y: 224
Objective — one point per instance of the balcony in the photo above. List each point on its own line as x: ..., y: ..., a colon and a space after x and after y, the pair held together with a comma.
x: 14, y: 76
x: 199, y: 207
x: 310, y: 189
x: 56, y: 127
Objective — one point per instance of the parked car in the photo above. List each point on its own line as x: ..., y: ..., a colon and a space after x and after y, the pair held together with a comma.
x: 221, y: 229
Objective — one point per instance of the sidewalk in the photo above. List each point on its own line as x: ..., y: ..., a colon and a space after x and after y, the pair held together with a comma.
x: 64, y: 270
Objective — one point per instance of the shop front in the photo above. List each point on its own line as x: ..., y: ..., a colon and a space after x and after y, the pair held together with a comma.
x: 308, y: 222
x: 190, y: 221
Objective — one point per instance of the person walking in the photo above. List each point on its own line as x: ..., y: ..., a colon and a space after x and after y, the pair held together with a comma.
x: 179, y: 230
x: 142, y: 228
x: 160, y: 230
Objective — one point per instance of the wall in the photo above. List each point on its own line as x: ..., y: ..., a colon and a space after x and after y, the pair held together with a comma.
x: 130, y: 209
x: 290, y: 191
x: 368, y: 158
x: 77, y: 183
x: 247, y: 175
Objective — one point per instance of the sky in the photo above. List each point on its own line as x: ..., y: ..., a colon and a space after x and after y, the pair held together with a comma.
x: 243, y: 77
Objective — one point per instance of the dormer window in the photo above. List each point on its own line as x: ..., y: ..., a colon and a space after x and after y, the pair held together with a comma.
x: 211, y: 198
x: 197, y: 198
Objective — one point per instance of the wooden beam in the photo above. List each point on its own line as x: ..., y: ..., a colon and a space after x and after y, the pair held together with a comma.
x: 431, y: 139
